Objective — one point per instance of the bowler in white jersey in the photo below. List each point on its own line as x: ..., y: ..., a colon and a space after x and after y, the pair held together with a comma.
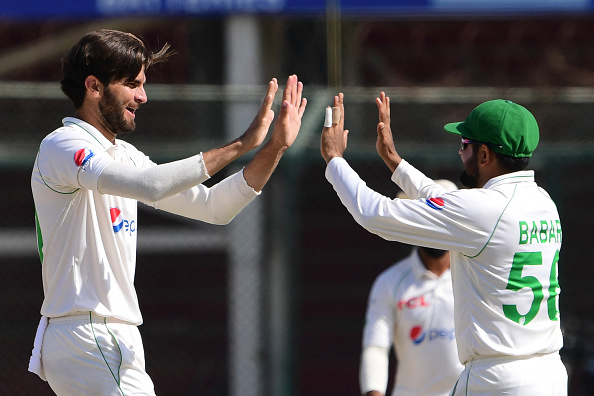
x: 504, y: 235
x: 86, y: 183
x: 411, y: 307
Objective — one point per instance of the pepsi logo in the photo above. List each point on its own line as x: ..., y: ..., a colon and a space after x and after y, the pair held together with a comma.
x: 117, y: 220
x: 82, y: 156
x: 417, y: 334
x: 435, y: 203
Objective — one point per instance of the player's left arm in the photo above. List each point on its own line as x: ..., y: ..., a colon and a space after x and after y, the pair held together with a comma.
x: 218, y: 204
x: 385, y: 140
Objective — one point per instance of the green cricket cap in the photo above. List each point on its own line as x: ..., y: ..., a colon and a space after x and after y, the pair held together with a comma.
x: 506, y: 126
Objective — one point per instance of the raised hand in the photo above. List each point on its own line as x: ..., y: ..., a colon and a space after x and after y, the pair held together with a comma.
x: 385, y: 140
x: 291, y: 112
x: 258, y: 171
x: 258, y: 129
x: 334, y: 139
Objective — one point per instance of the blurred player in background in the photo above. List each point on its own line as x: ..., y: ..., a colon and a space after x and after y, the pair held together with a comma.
x: 86, y: 184
x: 411, y: 307
x: 504, y: 237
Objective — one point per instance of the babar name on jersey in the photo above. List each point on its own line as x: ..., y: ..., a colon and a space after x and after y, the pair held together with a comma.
x: 542, y: 231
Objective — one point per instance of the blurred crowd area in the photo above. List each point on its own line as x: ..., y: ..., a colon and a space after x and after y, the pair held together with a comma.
x: 314, y: 258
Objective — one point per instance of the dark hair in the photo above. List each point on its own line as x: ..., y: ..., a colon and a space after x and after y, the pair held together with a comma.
x: 109, y: 55
x: 509, y: 163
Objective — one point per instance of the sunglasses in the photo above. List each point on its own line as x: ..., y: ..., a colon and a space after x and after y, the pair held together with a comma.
x: 465, y: 142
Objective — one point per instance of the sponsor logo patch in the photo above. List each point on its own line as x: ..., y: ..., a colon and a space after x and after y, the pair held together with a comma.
x: 417, y: 334
x: 119, y: 223
x: 117, y: 220
x: 435, y: 203
x: 82, y: 157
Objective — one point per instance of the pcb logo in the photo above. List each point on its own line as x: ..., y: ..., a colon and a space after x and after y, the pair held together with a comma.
x: 435, y: 203
x: 82, y: 157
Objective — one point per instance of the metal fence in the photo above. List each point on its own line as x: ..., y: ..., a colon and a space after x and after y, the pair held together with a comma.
x: 274, y: 302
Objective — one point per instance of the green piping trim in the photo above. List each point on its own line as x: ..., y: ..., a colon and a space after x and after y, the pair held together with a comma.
x: 39, y: 238
x: 498, y: 220
x: 81, y: 127
x: 47, y: 185
x: 117, y: 380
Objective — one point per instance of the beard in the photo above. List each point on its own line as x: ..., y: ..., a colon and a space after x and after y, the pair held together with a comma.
x: 435, y: 253
x: 469, y: 176
x: 112, y: 111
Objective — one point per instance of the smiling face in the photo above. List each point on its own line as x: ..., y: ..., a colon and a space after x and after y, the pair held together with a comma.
x: 118, y: 105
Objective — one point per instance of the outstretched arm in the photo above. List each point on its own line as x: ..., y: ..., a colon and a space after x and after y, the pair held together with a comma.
x: 258, y: 171
x: 385, y: 141
x: 158, y: 182
x: 218, y: 158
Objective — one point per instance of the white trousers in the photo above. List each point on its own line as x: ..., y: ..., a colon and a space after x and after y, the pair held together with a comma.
x: 84, y: 355
x: 542, y: 375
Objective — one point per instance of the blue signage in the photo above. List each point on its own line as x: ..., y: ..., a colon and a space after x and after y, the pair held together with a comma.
x: 15, y: 9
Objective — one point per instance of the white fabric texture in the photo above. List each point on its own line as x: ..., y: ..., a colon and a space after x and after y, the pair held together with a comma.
x: 99, y: 357
x: 35, y: 362
x: 373, y: 373
x: 154, y: 183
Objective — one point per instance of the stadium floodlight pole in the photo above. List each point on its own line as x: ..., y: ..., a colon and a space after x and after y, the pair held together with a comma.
x: 243, y: 68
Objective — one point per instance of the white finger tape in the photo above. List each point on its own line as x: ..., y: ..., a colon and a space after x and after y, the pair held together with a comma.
x: 328, y: 119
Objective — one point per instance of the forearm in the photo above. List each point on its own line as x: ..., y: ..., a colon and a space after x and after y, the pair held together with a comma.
x: 154, y: 183
x: 216, y: 205
x: 259, y: 170
x: 217, y: 159
x: 414, y: 183
x: 373, y: 373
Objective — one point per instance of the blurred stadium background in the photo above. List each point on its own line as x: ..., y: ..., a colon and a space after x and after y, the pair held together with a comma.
x: 273, y: 304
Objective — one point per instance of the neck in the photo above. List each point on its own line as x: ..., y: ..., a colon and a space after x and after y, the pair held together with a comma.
x: 437, y: 265
x: 95, y: 120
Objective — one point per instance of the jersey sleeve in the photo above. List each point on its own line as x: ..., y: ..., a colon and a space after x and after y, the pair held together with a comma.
x: 67, y: 164
x: 380, y: 315
x: 218, y: 204
x: 460, y: 220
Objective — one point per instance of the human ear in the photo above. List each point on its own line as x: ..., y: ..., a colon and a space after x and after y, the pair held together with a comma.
x: 484, y: 155
x: 93, y: 86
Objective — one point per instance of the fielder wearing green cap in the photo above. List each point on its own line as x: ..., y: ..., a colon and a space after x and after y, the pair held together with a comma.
x: 504, y: 236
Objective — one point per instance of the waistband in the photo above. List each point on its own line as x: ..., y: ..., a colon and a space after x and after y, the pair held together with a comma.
x: 509, y: 358
x: 87, y: 317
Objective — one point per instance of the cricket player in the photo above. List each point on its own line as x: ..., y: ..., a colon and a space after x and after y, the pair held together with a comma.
x: 503, y: 233
x: 86, y: 183
x: 411, y: 308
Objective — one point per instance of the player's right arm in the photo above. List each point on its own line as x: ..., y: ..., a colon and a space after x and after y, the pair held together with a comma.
x: 377, y: 339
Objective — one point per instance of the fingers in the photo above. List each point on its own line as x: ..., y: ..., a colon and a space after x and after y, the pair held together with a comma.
x: 269, y: 98
x: 292, y: 88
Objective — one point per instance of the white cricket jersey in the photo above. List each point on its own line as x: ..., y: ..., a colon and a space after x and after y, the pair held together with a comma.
x: 87, y: 240
x: 504, y: 240
x: 412, y: 309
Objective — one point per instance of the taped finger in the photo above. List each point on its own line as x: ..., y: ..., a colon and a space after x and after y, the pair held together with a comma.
x: 336, y: 115
x: 328, y: 119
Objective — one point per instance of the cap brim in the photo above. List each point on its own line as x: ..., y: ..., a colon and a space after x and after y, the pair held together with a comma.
x: 454, y: 127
